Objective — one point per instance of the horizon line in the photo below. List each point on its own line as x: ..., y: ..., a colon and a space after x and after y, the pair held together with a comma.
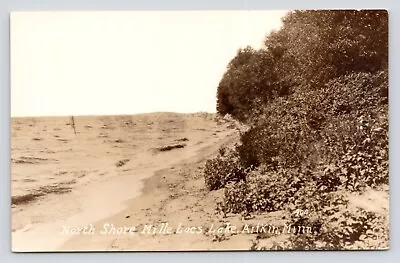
x: 119, y: 114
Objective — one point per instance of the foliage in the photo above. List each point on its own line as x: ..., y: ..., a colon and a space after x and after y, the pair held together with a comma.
x: 340, y: 228
x: 246, y: 84
x: 223, y: 169
x: 311, y: 48
x: 346, y: 127
x: 316, y: 100
x: 268, y: 190
x: 281, y: 137
x: 314, y: 46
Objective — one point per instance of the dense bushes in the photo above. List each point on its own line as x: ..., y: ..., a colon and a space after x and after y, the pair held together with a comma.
x: 359, y: 93
x: 316, y: 101
x: 346, y: 127
x: 341, y: 227
x: 320, y: 192
x: 266, y: 190
x: 223, y: 169
x: 312, y: 48
x: 247, y: 84
x: 279, y: 138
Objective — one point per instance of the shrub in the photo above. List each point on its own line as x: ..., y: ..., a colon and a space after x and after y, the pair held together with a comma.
x: 338, y: 227
x: 358, y: 94
x: 312, y: 47
x: 317, y: 107
x: 283, y: 136
x: 334, y: 126
x: 266, y: 190
x: 223, y: 169
x: 247, y: 83
x: 359, y: 148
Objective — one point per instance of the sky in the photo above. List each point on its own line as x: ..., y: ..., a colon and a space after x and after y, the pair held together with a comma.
x: 126, y: 62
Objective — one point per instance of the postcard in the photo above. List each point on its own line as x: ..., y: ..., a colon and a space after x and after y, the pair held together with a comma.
x: 199, y: 130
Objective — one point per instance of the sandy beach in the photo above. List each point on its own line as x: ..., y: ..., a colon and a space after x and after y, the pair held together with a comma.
x: 264, y: 130
x: 133, y: 183
x: 103, y: 171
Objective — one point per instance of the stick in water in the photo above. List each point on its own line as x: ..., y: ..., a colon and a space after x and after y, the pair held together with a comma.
x: 73, y: 124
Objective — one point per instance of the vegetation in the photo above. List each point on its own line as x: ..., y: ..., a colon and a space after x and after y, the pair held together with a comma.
x: 316, y: 100
x: 223, y: 169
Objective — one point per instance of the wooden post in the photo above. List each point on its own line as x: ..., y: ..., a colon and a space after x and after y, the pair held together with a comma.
x: 73, y: 124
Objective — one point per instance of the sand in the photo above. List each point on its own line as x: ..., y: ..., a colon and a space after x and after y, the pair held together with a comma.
x: 106, y: 179
x: 129, y: 188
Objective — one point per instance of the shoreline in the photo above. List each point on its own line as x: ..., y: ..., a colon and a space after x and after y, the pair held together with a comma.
x: 172, y: 198
x: 96, y: 207
x: 157, y: 190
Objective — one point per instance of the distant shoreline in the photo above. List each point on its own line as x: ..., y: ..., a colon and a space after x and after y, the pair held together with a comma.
x: 114, y: 115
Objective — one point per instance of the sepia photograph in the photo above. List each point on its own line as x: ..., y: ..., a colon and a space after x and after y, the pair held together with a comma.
x: 199, y: 130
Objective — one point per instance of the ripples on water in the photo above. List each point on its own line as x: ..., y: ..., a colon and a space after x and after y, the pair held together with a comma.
x: 48, y: 158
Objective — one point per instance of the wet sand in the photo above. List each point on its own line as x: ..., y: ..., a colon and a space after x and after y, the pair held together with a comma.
x: 150, y: 197
x: 105, y: 184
